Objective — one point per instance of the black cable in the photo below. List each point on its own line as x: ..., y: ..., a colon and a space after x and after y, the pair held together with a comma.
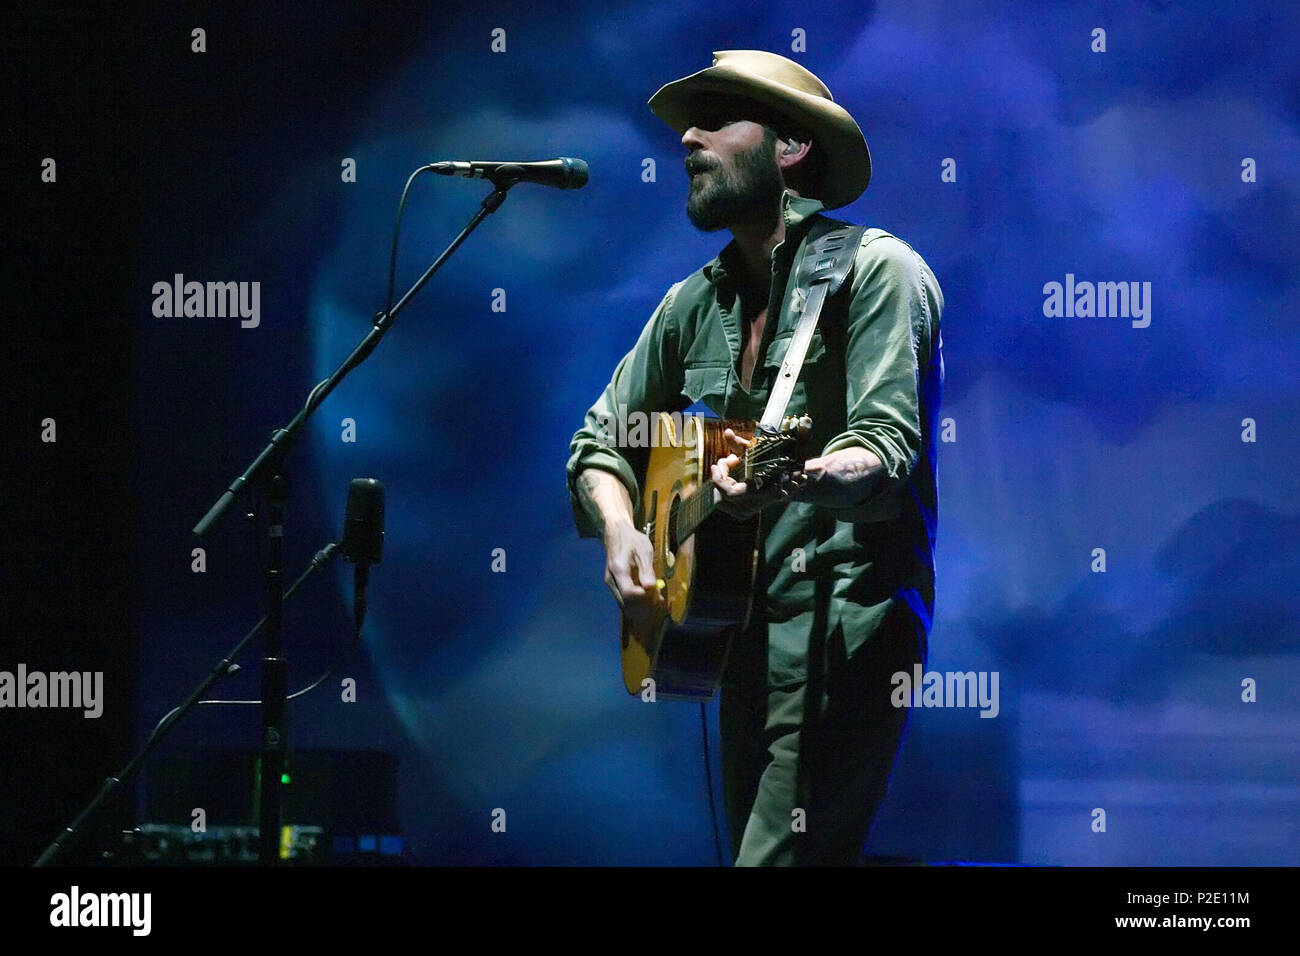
x: 298, y: 693
x: 321, y: 558
x: 397, y: 228
x: 708, y: 779
x: 392, y: 269
x: 233, y: 669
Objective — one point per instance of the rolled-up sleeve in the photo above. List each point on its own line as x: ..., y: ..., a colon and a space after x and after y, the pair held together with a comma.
x: 648, y: 379
x: 893, y: 315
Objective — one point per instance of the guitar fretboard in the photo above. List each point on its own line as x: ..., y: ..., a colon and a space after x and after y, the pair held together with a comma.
x: 758, y: 458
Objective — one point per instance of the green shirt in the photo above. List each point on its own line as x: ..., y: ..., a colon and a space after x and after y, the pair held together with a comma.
x: 873, y: 377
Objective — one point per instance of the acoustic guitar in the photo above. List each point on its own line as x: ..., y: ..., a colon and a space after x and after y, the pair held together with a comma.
x: 704, y: 559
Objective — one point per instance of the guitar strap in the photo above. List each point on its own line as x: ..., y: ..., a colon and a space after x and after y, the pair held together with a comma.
x: 826, y: 256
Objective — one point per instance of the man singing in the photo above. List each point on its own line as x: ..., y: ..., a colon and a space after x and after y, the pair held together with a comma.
x: 845, y: 586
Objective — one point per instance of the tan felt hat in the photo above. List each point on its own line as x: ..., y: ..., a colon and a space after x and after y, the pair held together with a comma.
x: 787, y: 90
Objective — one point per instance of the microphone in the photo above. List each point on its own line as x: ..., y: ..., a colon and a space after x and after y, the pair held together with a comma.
x: 363, y: 538
x: 562, y: 173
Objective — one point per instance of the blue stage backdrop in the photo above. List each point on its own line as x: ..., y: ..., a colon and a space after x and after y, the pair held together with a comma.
x: 1118, y: 495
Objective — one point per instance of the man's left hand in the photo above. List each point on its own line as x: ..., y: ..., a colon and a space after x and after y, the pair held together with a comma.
x: 738, y: 499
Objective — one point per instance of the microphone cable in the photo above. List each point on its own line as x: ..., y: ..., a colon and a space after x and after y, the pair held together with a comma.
x: 708, y: 780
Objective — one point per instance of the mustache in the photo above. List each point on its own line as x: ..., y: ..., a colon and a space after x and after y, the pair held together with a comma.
x: 697, y: 164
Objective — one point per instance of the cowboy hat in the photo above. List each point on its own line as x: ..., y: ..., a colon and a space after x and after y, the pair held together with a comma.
x: 786, y: 90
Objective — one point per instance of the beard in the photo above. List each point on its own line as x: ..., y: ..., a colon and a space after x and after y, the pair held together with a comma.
x: 751, y: 191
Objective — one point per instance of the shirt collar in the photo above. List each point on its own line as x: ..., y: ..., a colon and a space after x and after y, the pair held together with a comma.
x: 795, y: 210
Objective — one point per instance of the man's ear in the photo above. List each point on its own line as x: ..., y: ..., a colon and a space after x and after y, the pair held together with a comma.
x: 794, y: 151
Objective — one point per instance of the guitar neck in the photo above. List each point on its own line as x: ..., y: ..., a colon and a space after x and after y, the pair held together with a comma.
x: 695, y: 510
x: 764, y: 454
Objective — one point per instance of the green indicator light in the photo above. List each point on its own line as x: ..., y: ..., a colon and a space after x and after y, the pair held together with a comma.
x: 284, y: 778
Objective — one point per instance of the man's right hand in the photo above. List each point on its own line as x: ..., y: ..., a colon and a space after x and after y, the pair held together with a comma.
x: 630, y: 570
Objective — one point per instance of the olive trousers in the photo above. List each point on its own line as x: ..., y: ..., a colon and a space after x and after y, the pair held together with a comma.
x: 806, y: 766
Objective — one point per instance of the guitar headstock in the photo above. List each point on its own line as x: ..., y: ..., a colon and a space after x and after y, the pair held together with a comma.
x: 775, y: 452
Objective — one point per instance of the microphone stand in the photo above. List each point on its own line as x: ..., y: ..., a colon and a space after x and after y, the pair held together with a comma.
x: 225, y: 667
x: 267, y: 468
